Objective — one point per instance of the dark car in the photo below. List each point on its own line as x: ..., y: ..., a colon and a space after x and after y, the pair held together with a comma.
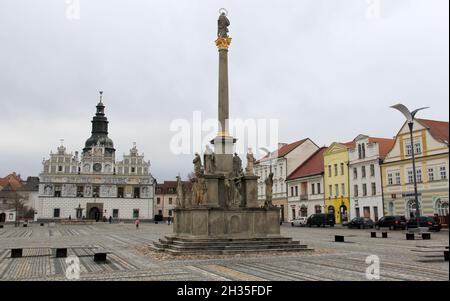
x: 425, y: 222
x: 392, y: 222
x: 361, y: 223
x: 321, y: 219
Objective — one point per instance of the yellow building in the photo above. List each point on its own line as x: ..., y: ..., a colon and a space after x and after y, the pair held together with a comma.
x: 336, y: 180
x: 430, y: 146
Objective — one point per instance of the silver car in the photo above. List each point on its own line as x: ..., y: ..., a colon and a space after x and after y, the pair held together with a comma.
x: 299, y: 221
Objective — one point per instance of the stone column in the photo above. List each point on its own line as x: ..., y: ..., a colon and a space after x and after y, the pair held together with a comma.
x: 223, y: 89
x: 223, y: 143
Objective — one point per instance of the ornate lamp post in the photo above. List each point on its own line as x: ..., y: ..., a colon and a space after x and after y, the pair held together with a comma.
x: 410, y: 119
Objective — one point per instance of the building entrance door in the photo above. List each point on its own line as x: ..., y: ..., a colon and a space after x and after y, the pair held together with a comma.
x: 343, y: 212
x: 2, y: 217
x: 94, y: 213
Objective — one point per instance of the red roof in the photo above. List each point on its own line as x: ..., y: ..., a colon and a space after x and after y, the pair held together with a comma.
x: 384, y: 145
x: 312, y: 166
x: 12, y: 179
x: 350, y: 144
x: 438, y: 129
x: 284, y: 150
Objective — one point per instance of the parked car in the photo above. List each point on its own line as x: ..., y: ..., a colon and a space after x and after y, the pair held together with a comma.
x: 299, y: 221
x: 321, y: 219
x: 425, y: 222
x: 361, y: 223
x: 392, y: 222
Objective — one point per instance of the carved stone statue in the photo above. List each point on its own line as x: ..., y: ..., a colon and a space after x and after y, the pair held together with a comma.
x: 237, y: 200
x: 237, y: 166
x: 180, y: 193
x: 269, y: 191
x: 187, y: 193
x: 222, y: 26
x: 199, y: 191
x: 228, y: 192
x: 249, y: 170
x: 197, y: 165
x: 209, y: 160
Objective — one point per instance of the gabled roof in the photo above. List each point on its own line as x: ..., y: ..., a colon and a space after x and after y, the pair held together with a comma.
x: 12, y: 179
x: 312, y: 166
x: 438, y: 129
x: 284, y: 150
x: 384, y: 145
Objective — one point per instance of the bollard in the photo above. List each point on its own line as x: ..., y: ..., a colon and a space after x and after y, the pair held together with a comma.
x: 426, y: 236
x: 16, y: 253
x: 384, y: 235
x: 100, y: 257
x: 409, y: 236
x: 373, y: 234
x: 339, y: 238
x: 61, y: 252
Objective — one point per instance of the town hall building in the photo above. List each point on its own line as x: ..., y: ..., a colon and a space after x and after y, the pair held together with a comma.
x: 93, y: 185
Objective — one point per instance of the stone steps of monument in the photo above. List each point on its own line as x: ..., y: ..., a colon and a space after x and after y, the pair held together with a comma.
x: 228, y: 244
x: 239, y: 247
x: 225, y: 240
x: 232, y: 251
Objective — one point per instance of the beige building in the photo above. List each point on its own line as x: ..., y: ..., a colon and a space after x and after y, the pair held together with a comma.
x: 282, y: 162
x: 166, y: 198
x: 430, y: 146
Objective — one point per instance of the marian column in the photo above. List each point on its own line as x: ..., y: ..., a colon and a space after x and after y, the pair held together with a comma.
x: 224, y: 142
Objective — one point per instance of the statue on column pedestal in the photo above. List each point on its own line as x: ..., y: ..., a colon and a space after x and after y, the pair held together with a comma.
x: 237, y: 166
x: 249, y: 170
x: 197, y: 165
x: 209, y: 159
x: 180, y: 193
x: 222, y: 26
x: 269, y: 190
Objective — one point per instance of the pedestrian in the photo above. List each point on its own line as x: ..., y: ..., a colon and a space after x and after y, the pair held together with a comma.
x: 110, y: 219
x: 70, y: 217
x: 168, y: 221
x: 137, y: 223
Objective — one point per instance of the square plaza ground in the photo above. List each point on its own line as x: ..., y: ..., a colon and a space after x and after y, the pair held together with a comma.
x: 132, y: 260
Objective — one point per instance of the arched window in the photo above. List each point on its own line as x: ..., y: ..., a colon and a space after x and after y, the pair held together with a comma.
x: 441, y: 207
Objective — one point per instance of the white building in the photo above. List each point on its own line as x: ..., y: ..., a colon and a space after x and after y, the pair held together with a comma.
x: 366, y: 189
x: 282, y: 162
x: 305, y: 187
x: 94, y: 185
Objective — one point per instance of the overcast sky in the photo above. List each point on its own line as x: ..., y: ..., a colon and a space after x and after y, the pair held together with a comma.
x: 327, y: 69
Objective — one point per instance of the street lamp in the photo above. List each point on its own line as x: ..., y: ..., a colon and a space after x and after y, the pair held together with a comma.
x: 410, y: 119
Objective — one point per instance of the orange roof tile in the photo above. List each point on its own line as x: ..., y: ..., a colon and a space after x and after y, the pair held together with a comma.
x: 284, y: 150
x: 438, y: 129
x: 384, y: 145
x: 312, y: 166
x: 12, y: 179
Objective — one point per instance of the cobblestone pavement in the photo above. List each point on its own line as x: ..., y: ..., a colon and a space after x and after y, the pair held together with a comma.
x: 130, y: 259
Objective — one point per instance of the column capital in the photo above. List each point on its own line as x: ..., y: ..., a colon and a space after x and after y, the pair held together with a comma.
x: 223, y: 43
